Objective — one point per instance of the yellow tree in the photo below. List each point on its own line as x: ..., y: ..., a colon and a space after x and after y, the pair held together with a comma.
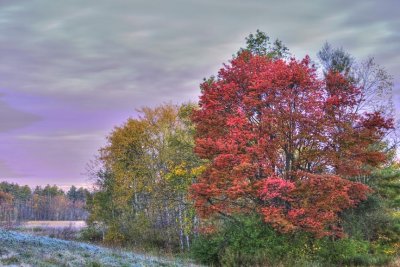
x: 150, y: 165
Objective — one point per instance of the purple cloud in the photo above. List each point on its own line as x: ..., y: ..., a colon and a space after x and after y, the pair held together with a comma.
x: 71, y: 71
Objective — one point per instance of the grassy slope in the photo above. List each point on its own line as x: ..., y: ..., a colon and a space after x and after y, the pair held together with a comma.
x: 17, y: 249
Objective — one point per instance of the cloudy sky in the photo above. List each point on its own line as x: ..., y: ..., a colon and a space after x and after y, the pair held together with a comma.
x: 72, y: 70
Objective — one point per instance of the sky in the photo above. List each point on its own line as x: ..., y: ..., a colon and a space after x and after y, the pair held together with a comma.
x: 70, y: 71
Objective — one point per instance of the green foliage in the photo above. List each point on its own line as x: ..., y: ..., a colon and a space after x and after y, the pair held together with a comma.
x: 366, y: 220
x: 244, y: 241
x: 348, y: 251
x: 91, y: 234
x: 376, y: 220
x: 386, y: 182
x: 335, y: 59
x: 75, y: 194
x: 206, y: 249
x: 22, y: 193
x: 247, y: 241
x: 260, y: 44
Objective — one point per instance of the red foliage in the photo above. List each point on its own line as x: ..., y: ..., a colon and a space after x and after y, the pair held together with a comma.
x: 268, y: 127
x: 312, y: 205
x: 277, y: 188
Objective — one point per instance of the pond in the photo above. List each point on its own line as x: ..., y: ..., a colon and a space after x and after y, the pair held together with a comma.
x: 53, y: 224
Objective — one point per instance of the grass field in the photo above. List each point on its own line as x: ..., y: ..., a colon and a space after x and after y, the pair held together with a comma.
x: 20, y: 249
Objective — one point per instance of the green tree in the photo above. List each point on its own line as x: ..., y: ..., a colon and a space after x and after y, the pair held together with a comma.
x: 260, y: 44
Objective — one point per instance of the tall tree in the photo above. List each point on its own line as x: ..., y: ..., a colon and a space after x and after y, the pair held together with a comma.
x: 148, y: 166
x: 280, y: 141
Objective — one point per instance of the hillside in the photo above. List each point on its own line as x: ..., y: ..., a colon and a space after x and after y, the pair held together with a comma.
x: 18, y: 249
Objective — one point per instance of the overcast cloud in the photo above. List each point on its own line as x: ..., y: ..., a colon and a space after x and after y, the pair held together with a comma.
x: 72, y: 70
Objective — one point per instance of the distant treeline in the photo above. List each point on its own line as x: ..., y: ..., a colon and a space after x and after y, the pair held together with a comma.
x: 21, y: 203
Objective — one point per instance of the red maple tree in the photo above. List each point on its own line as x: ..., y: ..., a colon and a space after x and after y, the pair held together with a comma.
x: 283, y: 142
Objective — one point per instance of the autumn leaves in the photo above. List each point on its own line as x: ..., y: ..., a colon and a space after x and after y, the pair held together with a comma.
x: 284, y: 143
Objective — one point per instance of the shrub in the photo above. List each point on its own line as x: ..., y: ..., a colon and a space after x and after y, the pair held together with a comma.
x: 348, y: 251
x: 248, y: 241
x: 367, y: 219
x: 245, y: 241
x: 206, y: 249
x: 91, y: 234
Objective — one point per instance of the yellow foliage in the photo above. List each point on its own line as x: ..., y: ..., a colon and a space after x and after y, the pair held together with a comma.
x: 151, y: 165
x: 198, y: 170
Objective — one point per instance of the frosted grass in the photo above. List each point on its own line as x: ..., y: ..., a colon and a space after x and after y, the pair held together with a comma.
x: 19, y: 249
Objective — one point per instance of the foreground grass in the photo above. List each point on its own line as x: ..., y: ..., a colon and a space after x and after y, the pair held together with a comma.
x: 19, y: 249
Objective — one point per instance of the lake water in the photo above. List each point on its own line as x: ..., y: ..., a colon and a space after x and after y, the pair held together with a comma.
x: 53, y: 224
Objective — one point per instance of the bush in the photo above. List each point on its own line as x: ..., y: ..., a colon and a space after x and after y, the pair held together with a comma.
x: 206, y: 249
x: 91, y: 234
x: 367, y: 219
x: 349, y: 251
x: 248, y: 241
x: 138, y: 232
